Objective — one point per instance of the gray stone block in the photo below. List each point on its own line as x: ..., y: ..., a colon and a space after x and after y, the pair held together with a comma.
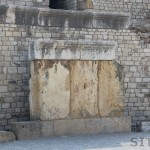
x: 71, y: 50
x: 6, y: 136
x: 35, y: 129
x: 26, y: 130
x: 21, y: 15
x: 67, y: 127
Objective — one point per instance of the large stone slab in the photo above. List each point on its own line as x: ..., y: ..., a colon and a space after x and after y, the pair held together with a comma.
x: 110, y: 98
x: 50, y: 90
x: 23, y: 15
x: 84, y: 91
x: 71, y: 50
x: 30, y: 130
x: 6, y: 136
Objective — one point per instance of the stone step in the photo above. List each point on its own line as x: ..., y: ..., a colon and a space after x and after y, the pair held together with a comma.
x: 6, y: 136
x: 146, y: 126
x: 35, y: 129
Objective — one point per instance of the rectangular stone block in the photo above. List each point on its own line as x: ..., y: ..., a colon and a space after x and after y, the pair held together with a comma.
x: 69, y: 127
x: 26, y: 130
x: 50, y: 90
x: 84, y: 87
x: 35, y: 129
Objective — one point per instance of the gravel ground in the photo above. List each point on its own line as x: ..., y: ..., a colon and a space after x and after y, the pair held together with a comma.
x: 117, y: 141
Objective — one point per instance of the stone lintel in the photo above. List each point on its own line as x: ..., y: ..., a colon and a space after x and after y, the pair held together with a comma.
x: 71, y: 50
x: 34, y: 16
x: 35, y: 129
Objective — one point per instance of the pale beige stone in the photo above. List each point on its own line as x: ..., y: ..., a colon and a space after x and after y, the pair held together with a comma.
x: 52, y: 98
x: 110, y: 90
x: 84, y: 81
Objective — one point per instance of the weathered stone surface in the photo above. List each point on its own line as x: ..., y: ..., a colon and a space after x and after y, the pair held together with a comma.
x: 67, y: 127
x: 26, y: 130
x: 6, y: 136
x: 108, y: 125
x: 76, y: 89
x: 51, y: 95
x: 3, y: 12
x: 71, y: 50
x: 60, y: 18
x: 84, y: 82
x: 30, y: 130
x: 110, y: 99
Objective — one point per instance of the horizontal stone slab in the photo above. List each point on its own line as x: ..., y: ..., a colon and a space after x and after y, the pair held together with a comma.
x: 34, y: 16
x: 71, y: 50
x: 6, y: 136
x: 35, y: 129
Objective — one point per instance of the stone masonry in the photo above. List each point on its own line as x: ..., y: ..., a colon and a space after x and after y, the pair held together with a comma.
x: 133, y: 52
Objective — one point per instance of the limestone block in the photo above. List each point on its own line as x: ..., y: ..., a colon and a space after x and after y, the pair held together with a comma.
x: 84, y: 83
x: 6, y: 136
x: 50, y: 97
x: 26, y: 130
x: 110, y: 99
x: 108, y: 125
x: 71, y: 50
x: 31, y: 130
x: 66, y: 127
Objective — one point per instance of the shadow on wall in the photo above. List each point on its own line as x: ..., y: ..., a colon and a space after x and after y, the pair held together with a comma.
x: 57, y: 4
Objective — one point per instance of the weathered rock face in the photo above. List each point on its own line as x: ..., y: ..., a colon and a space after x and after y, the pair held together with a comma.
x: 6, y: 136
x: 51, y: 92
x: 75, y: 89
x: 110, y: 90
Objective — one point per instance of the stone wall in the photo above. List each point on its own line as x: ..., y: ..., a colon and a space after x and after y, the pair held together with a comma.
x: 138, y: 8
x: 132, y: 52
x: 40, y: 3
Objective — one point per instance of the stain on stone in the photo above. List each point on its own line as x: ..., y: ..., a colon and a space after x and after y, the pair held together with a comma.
x: 26, y: 16
x: 42, y: 65
x: 119, y: 71
x: 3, y: 12
x: 12, y: 82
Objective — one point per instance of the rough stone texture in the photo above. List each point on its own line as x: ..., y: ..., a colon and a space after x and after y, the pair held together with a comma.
x: 110, y: 90
x: 60, y: 18
x: 131, y: 51
x: 30, y: 130
x: 41, y: 3
x: 71, y: 50
x: 50, y: 97
x: 84, y: 93
x: 76, y: 89
x: 6, y: 136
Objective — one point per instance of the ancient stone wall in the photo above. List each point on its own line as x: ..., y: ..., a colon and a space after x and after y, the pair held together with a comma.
x: 41, y: 3
x: 132, y: 52
x: 138, y: 8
